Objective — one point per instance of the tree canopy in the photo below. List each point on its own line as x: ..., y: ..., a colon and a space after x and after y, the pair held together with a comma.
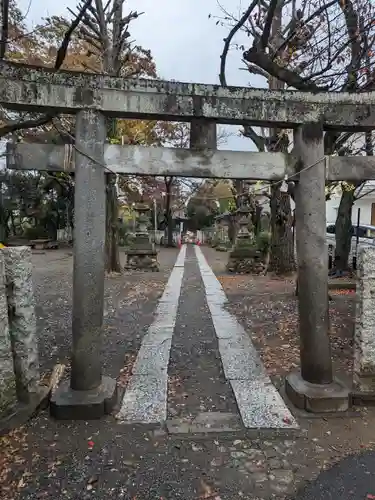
x: 309, y: 45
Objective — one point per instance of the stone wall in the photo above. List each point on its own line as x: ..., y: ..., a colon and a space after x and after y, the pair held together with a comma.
x: 19, y: 364
x: 8, y: 397
x: 364, y: 337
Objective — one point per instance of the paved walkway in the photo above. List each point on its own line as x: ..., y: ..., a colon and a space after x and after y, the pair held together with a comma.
x: 350, y: 479
x: 207, y: 355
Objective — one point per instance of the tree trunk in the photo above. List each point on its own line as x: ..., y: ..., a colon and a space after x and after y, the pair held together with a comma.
x: 112, y: 64
x: 344, y: 230
x: 3, y: 229
x: 169, y: 229
x: 168, y: 210
x: 256, y: 220
x: 14, y: 230
x: 232, y: 229
x: 282, y: 247
x: 168, y: 215
x: 112, y: 255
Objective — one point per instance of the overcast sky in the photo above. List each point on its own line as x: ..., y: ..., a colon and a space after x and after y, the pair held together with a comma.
x: 185, y: 42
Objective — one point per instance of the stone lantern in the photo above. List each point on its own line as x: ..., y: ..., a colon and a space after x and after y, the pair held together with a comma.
x: 244, y: 257
x: 142, y: 254
x: 245, y: 238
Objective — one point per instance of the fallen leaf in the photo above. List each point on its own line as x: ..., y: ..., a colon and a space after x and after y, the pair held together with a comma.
x: 21, y: 483
x: 208, y: 492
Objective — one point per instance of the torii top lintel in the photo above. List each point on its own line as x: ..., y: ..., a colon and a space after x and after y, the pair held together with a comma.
x: 31, y: 88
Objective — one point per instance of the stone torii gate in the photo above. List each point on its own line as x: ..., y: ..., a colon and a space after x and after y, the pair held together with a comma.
x: 92, y: 98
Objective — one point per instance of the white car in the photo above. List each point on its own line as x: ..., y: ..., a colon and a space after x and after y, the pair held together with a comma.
x: 366, y: 235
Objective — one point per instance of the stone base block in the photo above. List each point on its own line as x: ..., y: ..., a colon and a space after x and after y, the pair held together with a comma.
x: 341, y: 285
x: 317, y: 398
x: 363, y: 398
x: 246, y: 259
x: 206, y: 423
x: 363, y: 392
x: 364, y: 382
x: 22, y: 412
x: 67, y: 404
x: 142, y: 262
x: 245, y: 266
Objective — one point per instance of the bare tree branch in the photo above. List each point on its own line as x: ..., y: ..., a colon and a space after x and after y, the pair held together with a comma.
x: 93, y: 12
x: 229, y: 39
x: 61, y: 53
x: 267, y: 25
x: 301, y: 24
x: 258, y: 140
x: 90, y: 38
x: 37, y: 122
x: 352, y: 24
x: 291, y: 78
x: 60, y: 56
x: 91, y: 25
x: 248, y: 130
x: 255, y: 70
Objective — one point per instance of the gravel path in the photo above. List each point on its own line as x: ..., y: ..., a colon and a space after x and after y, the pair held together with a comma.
x: 197, y: 379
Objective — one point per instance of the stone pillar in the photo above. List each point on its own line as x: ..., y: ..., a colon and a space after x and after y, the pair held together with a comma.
x: 142, y: 255
x: 89, y: 238
x: 223, y: 244
x: 203, y: 134
x: 22, y: 320
x: 316, y: 364
x: 313, y: 388
x: 8, y: 395
x: 89, y: 395
x: 364, y: 336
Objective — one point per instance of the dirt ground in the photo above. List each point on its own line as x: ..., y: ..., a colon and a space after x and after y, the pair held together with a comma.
x: 84, y: 460
x: 267, y: 307
x: 130, y: 302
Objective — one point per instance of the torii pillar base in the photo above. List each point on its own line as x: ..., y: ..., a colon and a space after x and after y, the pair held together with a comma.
x: 69, y: 404
x: 317, y: 398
